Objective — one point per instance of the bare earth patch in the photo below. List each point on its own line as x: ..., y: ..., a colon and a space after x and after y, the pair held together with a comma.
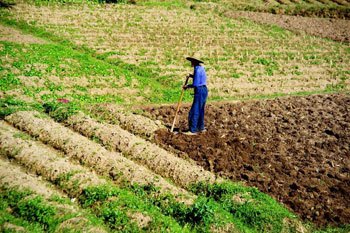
x: 13, y: 35
x: 335, y: 29
x: 296, y: 149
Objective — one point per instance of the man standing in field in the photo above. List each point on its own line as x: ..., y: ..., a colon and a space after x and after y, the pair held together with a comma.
x: 196, y: 114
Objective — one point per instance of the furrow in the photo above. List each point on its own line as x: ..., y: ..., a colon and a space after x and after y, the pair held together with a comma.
x: 92, y: 154
x: 12, y: 177
x: 162, y: 162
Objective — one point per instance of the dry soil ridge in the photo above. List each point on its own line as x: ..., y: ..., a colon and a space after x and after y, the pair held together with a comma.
x: 45, y: 161
x: 12, y: 176
x: 95, y: 156
x: 162, y: 162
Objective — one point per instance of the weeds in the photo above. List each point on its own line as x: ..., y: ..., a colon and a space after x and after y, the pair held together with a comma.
x: 270, y: 66
x: 35, y: 210
x: 32, y: 209
x: 35, y: 214
x: 9, y: 82
x: 61, y: 111
x: 201, y: 216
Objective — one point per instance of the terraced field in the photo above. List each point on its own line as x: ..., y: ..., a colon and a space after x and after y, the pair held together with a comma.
x: 79, y: 152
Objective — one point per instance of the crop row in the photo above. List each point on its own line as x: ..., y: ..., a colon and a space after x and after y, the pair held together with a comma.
x: 134, y: 123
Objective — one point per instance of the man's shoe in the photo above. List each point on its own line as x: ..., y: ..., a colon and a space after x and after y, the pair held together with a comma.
x: 189, y: 133
x: 203, y: 130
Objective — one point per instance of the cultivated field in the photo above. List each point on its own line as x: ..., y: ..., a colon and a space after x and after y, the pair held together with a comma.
x: 85, y: 146
x: 274, y: 146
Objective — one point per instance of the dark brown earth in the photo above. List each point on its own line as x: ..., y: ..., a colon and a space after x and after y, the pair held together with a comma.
x: 297, y: 149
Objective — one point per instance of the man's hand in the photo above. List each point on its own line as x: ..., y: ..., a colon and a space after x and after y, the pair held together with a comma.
x: 184, y: 87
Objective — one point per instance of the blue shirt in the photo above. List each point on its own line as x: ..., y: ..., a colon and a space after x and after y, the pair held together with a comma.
x: 199, y: 77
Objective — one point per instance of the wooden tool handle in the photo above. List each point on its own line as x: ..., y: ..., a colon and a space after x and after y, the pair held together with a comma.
x: 178, y: 104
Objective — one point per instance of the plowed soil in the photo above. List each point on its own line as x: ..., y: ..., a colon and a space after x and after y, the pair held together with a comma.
x: 297, y: 149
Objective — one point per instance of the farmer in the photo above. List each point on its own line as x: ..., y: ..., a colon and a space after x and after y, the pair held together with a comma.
x: 196, y: 114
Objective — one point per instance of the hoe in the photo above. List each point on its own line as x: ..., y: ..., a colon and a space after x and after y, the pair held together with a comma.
x: 178, y: 104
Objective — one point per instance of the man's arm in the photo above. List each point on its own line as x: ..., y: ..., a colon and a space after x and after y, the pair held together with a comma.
x: 188, y: 85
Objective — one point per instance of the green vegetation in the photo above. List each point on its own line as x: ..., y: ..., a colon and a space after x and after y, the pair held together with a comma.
x: 250, y: 207
x: 84, y: 76
x: 9, y: 105
x: 201, y: 216
x: 60, y: 111
x: 29, y: 211
x: 116, y: 206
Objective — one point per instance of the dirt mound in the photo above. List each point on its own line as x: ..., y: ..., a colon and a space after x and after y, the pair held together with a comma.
x: 45, y: 161
x: 295, y: 149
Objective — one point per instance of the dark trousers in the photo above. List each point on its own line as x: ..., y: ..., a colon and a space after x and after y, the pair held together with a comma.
x: 196, y: 114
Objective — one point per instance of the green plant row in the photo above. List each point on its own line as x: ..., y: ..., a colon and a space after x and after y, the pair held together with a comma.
x: 248, y: 205
x: 218, y: 206
x: 117, y: 205
x: 119, y: 208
